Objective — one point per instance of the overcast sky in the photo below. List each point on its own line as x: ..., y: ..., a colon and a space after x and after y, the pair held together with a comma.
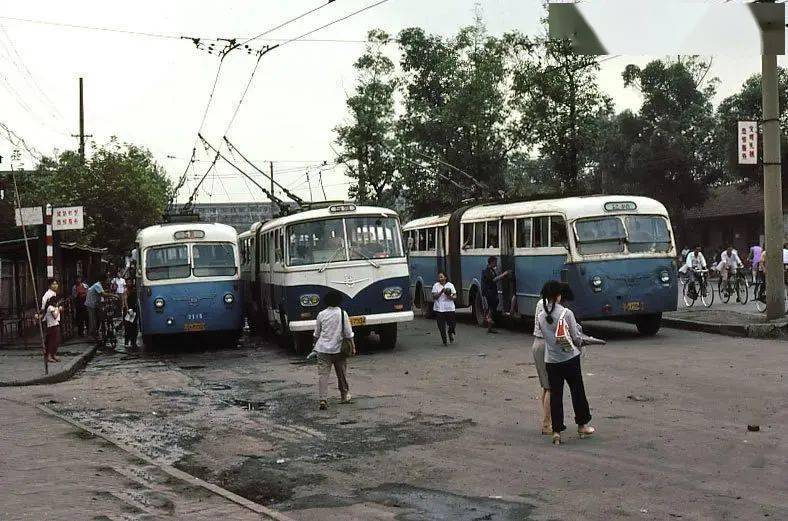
x: 152, y: 91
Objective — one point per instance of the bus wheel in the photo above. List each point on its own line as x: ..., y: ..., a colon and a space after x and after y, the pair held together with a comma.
x: 388, y: 336
x: 478, y: 309
x: 302, y: 342
x: 648, y: 325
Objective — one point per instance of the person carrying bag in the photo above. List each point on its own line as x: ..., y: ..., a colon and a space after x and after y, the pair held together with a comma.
x: 334, y: 344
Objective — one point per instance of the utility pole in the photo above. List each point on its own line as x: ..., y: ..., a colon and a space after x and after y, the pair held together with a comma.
x: 772, y: 190
x: 271, y: 169
x: 311, y: 198
x: 81, y: 134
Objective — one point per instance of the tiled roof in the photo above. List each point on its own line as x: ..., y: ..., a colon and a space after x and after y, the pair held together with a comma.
x: 731, y: 200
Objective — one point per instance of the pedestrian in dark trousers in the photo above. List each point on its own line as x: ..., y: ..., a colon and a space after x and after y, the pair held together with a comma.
x: 490, y: 278
x: 79, y: 294
x: 130, y: 314
x: 443, y: 296
x: 563, y: 337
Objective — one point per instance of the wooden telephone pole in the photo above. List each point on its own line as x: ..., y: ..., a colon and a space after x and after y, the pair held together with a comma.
x: 81, y: 134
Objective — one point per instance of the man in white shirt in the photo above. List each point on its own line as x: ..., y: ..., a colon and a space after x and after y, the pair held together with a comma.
x: 729, y: 263
x: 443, y: 296
x: 119, y: 283
x: 695, y: 261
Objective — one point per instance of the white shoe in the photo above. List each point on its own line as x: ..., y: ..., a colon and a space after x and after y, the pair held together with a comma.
x: 347, y: 398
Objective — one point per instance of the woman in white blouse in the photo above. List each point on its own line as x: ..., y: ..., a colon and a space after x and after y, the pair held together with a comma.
x: 443, y: 296
x: 331, y: 328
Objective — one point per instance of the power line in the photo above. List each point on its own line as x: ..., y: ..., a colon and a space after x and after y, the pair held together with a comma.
x: 234, y: 148
x: 291, y: 20
x: 91, y: 28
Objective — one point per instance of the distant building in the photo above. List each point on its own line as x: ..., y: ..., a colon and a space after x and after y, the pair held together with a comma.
x: 729, y: 215
x: 238, y: 215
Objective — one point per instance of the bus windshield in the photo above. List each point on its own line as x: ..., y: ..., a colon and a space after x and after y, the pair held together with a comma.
x: 373, y: 237
x: 213, y: 260
x: 316, y: 242
x: 167, y: 262
x: 647, y: 234
x: 601, y: 235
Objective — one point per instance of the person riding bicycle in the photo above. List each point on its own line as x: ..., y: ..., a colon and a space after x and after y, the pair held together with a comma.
x: 729, y: 263
x: 694, y: 263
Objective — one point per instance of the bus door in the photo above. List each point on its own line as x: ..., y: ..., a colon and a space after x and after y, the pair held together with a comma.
x: 508, y: 284
x: 440, y: 257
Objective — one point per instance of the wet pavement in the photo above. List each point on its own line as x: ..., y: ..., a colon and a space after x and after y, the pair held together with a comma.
x: 452, y: 433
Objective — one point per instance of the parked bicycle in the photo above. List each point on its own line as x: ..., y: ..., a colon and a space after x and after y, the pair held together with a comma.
x: 699, y: 287
x: 735, y: 285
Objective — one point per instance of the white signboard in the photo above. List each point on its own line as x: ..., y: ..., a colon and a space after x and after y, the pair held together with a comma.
x: 32, y: 216
x: 69, y: 218
x: 747, y: 143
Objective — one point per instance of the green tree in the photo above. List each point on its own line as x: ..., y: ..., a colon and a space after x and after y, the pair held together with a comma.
x: 367, y: 142
x: 457, y: 111
x: 121, y: 188
x: 747, y: 105
x: 670, y: 141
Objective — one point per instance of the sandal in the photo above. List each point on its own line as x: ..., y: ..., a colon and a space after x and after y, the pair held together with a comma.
x: 585, y: 431
x: 323, y: 405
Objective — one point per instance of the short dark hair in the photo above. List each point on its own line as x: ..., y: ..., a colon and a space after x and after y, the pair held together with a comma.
x: 333, y: 298
x: 52, y: 281
x: 491, y: 258
x: 442, y: 273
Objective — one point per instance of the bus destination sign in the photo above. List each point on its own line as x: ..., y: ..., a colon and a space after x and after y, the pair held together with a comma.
x: 620, y: 206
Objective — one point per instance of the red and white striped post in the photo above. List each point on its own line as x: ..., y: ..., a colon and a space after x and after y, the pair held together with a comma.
x: 49, y: 241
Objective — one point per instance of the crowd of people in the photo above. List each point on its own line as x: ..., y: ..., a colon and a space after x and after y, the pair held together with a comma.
x: 89, y: 305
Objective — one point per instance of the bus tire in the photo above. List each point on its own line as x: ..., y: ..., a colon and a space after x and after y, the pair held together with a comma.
x: 302, y: 342
x: 648, y: 325
x: 477, y: 308
x: 388, y: 336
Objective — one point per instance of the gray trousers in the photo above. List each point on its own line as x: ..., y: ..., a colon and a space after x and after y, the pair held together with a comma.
x: 325, y: 362
x: 92, y: 321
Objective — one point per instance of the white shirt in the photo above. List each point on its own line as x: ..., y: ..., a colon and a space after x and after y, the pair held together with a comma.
x: 695, y: 261
x: 731, y: 260
x: 52, y: 316
x: 329, y: 332
x: 443, y: 303
x: 120, y: 284
x: 48, y: 295
x: 539, y: 309
x: 785, y: 256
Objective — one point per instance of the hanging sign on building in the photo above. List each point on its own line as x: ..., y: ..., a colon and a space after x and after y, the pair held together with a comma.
x: 68, y: 218
x: 747, y: 143
x: 32, y: 216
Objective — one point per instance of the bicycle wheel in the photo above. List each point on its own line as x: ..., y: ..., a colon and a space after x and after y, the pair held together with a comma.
x: 742, y: 289
x: 724, y: 289
x: 707, y: 294
x: 688, y: 300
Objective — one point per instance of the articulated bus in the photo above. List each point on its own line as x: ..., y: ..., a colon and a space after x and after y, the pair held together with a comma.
x: 189, y: 282
x: 288, y: 265
x: 617, y: 253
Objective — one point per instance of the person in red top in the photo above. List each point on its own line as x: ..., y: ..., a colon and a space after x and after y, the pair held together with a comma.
x: 78, y: 295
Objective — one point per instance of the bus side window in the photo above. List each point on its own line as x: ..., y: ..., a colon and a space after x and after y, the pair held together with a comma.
x: 558, y: 231
x: 422, y: 242
x: 278, y: 246
x: 492, y: 234
x: 430, y: 239
x: 541, y: 229
x: 467, y: 236
x: 524, y: 233
x: 478, y: 235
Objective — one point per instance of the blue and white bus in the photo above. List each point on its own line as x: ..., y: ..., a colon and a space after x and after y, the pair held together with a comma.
x: 617, y: 253
x: 189, y: 282
x: 290, y: 263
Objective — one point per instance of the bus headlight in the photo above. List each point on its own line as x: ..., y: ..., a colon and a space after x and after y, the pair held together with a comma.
x: 158, y: 303
x: 229, y: 298
x: 596, y: 283
x: 664, y: 277
x: 309, y: 301
x: 392, y: 293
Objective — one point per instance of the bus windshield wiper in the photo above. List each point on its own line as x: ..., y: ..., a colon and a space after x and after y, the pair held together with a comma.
x: 330, y: 259
x: 368, y: 259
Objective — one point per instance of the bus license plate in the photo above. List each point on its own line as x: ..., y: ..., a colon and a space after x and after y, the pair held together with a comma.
x: 358, y: 321
x: 633, y: 306
x: 194, y: 326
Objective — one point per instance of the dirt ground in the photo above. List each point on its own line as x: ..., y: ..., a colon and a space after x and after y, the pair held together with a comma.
x: 453, y: 432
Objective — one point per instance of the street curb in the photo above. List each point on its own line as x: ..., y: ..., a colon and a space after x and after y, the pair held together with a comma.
x: 766, y: 330
x: 52, y: 378
x: 172, y: 471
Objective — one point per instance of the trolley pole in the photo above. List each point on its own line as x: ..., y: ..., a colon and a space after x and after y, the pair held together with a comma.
x: 271, y: 169
x: 772, y: 190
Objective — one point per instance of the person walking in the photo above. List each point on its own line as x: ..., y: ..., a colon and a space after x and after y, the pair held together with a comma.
x: 538, y: 349
x: 754, y: 257
x: 130, y: 315
x: 562, y: 361
x: 443, y: 297
x: 53, y: 309
x: 95, y: 293
x: 490, y: 278
x: 332, y: 327
x: 79, y: 293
